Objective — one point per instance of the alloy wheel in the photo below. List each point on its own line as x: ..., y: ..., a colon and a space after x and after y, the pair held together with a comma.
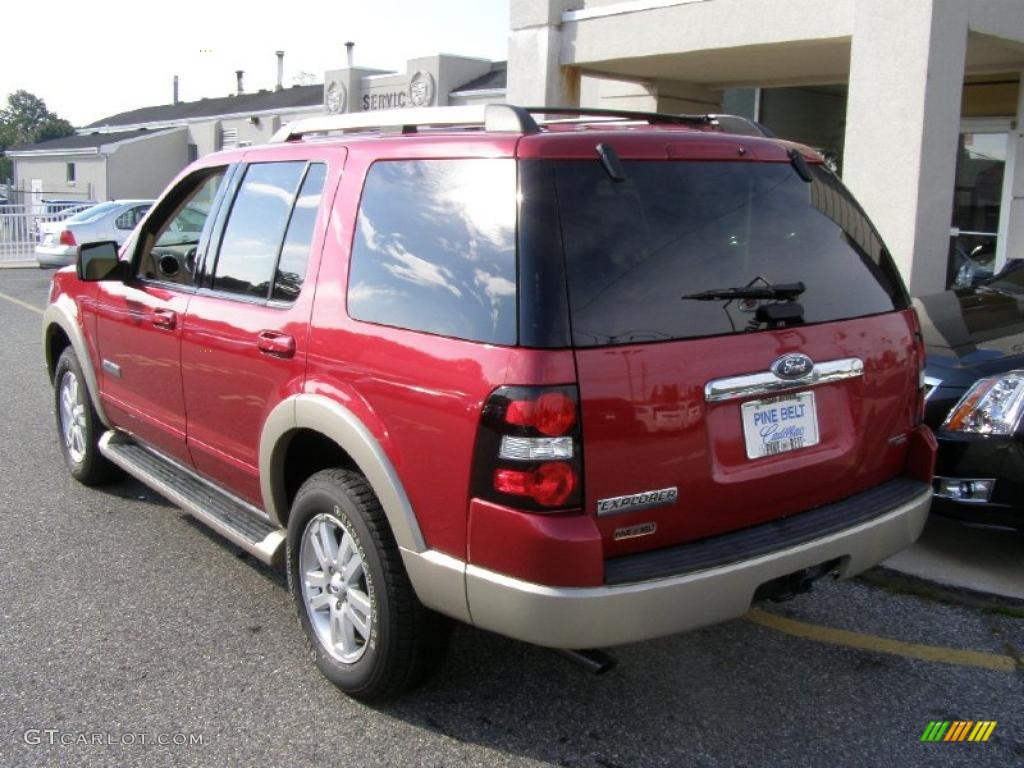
x: 72, y: 417
x: 336, y: 591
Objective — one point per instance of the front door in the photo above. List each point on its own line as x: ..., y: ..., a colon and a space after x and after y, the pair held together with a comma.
x: 139, y: 322
x: 244, y: 335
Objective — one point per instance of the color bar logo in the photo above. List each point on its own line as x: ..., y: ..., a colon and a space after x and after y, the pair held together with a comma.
x: 958, y: 730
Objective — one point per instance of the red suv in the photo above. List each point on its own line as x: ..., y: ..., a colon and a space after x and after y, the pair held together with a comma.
x: 579, y: 381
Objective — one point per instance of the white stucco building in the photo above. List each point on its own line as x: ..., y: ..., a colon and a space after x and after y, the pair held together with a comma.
x: 918, y: 102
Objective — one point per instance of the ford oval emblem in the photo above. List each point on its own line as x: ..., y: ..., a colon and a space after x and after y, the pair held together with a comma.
x: 792, y: 367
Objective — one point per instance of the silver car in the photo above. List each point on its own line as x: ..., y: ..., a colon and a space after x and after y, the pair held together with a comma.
x: 114, y: 220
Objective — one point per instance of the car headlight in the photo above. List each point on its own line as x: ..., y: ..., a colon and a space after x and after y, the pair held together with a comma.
x: 993, y: 406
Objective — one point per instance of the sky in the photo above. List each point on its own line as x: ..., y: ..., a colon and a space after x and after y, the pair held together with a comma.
x: 91, y: 60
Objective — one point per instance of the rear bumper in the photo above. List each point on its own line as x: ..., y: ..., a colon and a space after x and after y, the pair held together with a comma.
x: 55, y: 256
x: 593, y: 617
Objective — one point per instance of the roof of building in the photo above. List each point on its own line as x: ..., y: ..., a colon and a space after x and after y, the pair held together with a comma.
x: 497, y: 78
x: 296, y: 96
x: 81, y: 141
x: 265, y: 100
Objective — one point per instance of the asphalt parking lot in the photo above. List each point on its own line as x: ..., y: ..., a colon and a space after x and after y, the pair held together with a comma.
x: 122, y: 618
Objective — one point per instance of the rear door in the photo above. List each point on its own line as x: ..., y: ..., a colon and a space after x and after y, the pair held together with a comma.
x: 244, y: 337
x: 702, y: 414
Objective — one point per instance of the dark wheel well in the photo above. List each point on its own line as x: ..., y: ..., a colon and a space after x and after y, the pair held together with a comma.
x: 309, y: 452
x: 56, y: 342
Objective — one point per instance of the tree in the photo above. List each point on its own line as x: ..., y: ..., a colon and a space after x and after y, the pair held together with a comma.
x: 26, y: 120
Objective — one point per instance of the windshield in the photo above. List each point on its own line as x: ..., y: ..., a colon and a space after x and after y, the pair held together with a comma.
x: 634, y: 248
x: 91, y: 214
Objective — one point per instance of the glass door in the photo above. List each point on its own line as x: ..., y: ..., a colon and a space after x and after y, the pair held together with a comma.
x: 981, y: 162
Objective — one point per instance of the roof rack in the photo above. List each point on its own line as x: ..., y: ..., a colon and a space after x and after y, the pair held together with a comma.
x: 492, y: 117
x: 495, y: 118
x: 732, y: 124
x: 654, y: 118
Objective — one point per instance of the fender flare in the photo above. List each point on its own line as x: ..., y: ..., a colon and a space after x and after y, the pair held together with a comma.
x: 61, y: 317
x: 335, y: 421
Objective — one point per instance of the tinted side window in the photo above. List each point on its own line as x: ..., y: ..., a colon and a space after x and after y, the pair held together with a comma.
x: 434, y: 248
x: 255, y: 226
x: 291, y: 267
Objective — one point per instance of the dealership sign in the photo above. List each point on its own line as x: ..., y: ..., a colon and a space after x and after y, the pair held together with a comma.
x: 419, y: 91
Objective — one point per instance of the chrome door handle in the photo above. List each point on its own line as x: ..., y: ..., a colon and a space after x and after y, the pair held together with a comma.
x: 276, y: 344
x: 165, y: 318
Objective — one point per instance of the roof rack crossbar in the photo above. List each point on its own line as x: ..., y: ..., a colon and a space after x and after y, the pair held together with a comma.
x: 491, y: 117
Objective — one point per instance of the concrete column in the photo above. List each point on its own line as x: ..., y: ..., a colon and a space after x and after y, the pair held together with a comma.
x: 536, y: 76
x: 606, y: 93
x: 902, y: 124
x: 1010, y: 244
x: 675, y: 96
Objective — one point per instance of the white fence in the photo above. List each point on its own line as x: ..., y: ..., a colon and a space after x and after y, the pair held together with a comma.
x: 19, y: 229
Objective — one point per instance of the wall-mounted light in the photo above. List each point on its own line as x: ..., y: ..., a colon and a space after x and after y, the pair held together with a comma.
x: 254, y: 119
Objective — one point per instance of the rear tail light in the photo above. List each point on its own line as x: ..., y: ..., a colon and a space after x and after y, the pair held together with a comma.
x: 67, y: 237
x: 550, y: 485
x: 528, y: 449
x: 553, y: 413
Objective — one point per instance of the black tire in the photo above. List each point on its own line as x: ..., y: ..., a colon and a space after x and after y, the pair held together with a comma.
x: 406, y: 641
x: 85, y: 462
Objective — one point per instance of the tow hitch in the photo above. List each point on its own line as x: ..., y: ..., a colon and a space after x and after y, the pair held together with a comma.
x: 787, y: 587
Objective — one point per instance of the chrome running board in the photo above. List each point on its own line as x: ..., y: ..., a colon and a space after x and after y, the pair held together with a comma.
x: 234, y: 519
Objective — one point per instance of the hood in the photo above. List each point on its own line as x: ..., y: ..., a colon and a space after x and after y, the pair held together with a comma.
x: 970, y: 333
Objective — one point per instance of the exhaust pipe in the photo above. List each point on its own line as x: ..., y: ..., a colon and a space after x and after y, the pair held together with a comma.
x: 595, y: 661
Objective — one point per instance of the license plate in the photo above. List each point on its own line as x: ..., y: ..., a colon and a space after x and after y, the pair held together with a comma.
x: 779, y: 424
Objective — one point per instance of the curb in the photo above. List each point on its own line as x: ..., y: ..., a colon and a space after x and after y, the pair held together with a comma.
x: 887, y: 578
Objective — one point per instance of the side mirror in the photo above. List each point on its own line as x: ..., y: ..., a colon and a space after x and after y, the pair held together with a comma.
x: 98, y: 261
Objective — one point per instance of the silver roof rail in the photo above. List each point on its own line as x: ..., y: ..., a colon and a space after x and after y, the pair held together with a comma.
x: 490, y: 117
x: 500, y: 118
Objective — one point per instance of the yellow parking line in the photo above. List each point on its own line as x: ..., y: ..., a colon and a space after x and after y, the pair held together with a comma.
x: 21, y: 303
x: 877, y: 644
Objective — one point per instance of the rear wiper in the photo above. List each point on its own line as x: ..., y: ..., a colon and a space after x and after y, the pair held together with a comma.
x: 780, y: 292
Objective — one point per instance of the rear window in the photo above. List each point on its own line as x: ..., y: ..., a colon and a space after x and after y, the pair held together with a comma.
x: 634, y: 248
x: 434, y: 248
x: 89, y: 214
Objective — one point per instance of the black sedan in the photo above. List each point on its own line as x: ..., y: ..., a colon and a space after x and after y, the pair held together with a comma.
x: 975, y: 385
